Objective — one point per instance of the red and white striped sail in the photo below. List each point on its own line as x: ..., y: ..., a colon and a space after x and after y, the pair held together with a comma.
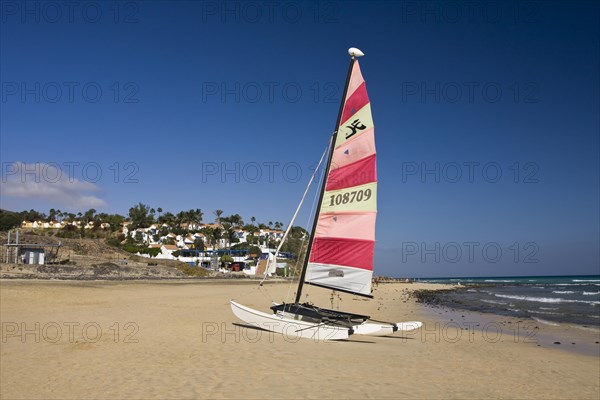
x: 342, y: 250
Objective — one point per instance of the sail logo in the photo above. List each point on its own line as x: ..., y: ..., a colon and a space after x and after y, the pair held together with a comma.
x: 354, y: 127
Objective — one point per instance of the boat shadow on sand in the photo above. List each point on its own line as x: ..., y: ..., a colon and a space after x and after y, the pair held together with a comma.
x: 397, y: 337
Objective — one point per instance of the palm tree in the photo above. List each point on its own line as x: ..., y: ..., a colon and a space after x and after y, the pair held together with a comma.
x: 253, y: 220
x: 198, y: 214
x: 212, y: 235
x: 236, y: 219
x: 230, y: 236
x: 218, y: 213
x: 89, y: 215
x: 169, y: 219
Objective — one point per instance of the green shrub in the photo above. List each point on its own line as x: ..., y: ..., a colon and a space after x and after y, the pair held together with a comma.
x: 131, y: 248
x: 226, y: 258
x: 192, y: 271
x: 113, y: 241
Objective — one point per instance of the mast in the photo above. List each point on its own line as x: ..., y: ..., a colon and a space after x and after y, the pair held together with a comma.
x: 353, y: 54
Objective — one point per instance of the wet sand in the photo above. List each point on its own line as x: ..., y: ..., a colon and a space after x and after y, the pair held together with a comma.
x: 64, y: 339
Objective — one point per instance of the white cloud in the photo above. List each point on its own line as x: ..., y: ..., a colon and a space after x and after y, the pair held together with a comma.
x: 49, y: 183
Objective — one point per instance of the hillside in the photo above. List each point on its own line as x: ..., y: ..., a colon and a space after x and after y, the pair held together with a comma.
x: 90, y: 259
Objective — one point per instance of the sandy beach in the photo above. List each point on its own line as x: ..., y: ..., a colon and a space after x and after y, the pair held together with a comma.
x: 167, y: 340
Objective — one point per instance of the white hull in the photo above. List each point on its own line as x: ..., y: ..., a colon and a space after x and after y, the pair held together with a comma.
x: 369, y: 329
x: 373, y: 329
x: 290, y: 328
x: 408, y: 326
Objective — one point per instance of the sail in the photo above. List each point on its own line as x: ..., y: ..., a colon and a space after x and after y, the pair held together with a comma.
x: 341, y: 255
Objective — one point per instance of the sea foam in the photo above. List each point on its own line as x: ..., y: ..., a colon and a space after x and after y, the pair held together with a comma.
x: 545, y: 299
x: 543, y: 321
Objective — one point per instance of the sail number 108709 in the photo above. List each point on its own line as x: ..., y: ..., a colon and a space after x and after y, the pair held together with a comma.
x: 350, y: 197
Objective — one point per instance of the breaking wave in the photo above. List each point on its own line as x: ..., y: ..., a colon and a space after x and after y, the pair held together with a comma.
x: 544, y: 299
x: 543, y: 321
x: 544, y: 312
x: 495, y: 302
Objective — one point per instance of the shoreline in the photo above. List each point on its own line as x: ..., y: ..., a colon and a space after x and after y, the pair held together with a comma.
x: 572, y: 338
x: 561, y: 335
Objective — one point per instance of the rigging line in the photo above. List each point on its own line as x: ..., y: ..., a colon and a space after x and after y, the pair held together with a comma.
x: 322, y: 179
x: 327, y: 148
x: 262, y: 290
x: 295, y: 214
x: 246, y: 293
x: 299, y: 261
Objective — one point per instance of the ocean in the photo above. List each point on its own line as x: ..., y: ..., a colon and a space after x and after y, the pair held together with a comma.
x: 550, y: 300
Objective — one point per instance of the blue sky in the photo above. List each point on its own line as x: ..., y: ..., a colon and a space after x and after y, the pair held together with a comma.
x: 486, y: 116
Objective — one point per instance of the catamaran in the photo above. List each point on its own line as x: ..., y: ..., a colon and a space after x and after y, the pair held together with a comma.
x: 341, y: 244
